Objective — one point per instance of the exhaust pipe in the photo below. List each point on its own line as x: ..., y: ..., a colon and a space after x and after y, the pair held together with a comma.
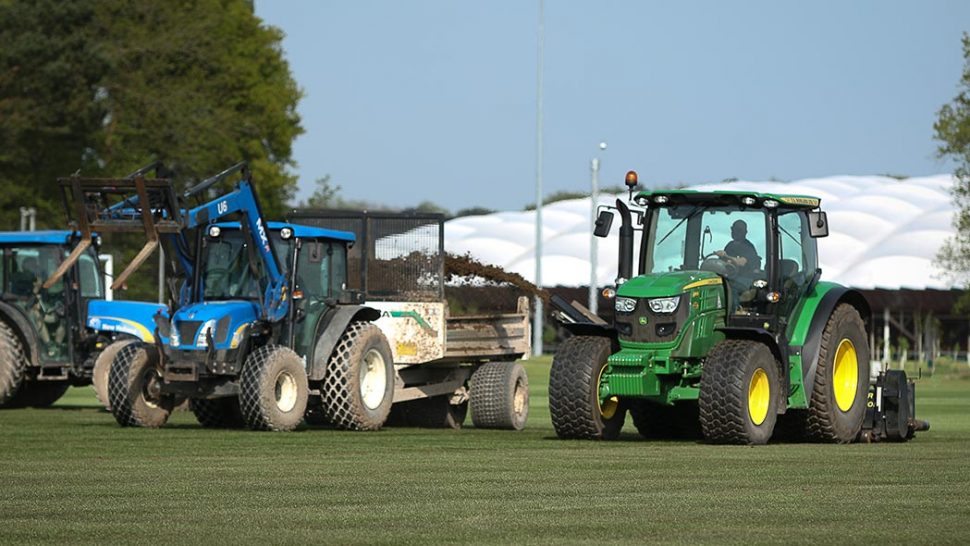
x: 625, y: 257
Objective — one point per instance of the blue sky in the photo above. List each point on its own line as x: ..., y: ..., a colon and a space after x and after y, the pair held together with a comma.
x: 436, y: 99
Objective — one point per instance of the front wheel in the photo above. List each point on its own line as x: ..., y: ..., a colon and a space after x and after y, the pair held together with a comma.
x: 13, y: 362
x: 574, y: 384
x: 102, y: 366
x: 359, y: 386
x: 739, y: 393
x: 273, y: 389
x: 134, y: 388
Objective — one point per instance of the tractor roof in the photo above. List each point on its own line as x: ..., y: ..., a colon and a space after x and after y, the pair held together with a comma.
x: 302, y: 231
x: 50, y: 237
x: 729, y: 198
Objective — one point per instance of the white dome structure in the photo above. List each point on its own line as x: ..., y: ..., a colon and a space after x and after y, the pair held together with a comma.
x: 884, y: 233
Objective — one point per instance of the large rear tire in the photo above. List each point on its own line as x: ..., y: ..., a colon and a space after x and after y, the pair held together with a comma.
x: 841, y: 382
x: 134, y: 388
x: 739, y: 393
x: 217, y: 412
x: 499, y: 396
x: 13, y: 362
x: 273, y: 389
x: 102, y: 367
x: 574, y: 402
x: 358, y: 389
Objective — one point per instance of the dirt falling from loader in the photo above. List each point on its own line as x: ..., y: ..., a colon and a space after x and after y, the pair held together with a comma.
x: 472, y: 287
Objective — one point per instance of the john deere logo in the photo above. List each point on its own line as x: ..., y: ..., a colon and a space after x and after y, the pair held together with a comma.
x: 643, y: 320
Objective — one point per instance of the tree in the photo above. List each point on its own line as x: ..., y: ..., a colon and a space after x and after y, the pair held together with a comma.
x: 952, y: 129
x: 326, y: 196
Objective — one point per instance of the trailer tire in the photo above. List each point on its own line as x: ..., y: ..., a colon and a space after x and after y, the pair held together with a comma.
x: 574, y: 391
x: 13, y: 362
x: 273, y: 389
x: 358, y: 389
x: 39, y: 394
x: 739, y: 393
x: 133, y: 384
x: 217, y: 412
x: 499, y: 395
x: 102, y: 367
x: 841, y: 383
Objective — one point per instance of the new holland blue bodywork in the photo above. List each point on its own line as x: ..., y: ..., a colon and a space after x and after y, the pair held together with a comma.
x: 225, y: 321
x: 134, y: 318
x: 51, y: 237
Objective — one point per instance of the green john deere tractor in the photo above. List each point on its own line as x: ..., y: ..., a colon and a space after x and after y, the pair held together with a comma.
x: 726, y: 331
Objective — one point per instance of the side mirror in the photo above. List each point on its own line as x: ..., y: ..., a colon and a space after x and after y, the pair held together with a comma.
x: 818, y: 225
x: 603, y: 223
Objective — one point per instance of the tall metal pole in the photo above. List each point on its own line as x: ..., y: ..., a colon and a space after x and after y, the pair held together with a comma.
x: 23, y: 218
x: 537, y: 323
x: 594, y: 196
x: 33, y: 218
x: 161, y: 274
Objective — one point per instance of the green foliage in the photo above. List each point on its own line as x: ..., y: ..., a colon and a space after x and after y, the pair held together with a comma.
x: 952, y: 129
x: 473, y: 211
x: 103, y: 87
x: 325, y: 196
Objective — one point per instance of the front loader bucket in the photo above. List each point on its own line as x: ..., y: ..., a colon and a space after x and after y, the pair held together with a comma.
x: 128, y: 205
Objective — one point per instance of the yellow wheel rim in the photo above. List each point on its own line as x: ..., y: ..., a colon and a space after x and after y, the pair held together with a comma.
x: 607, y: 409
x: 759, y: 395
x: 845, y: 375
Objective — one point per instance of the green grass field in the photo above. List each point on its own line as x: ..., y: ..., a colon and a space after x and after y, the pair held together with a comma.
x: 69, y: 474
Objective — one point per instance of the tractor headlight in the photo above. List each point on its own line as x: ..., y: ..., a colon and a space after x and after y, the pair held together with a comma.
x: 625, y: 305
x: 173, y: 337
x: 664, y: 305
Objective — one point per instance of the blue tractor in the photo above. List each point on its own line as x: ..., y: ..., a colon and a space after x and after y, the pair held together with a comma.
x: 259, y: 318
x: 64, y: 333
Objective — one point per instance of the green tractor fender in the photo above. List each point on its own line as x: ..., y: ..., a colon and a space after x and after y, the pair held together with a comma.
x: 22, y: 328
x: 330, y: 327
x: 808, y: 322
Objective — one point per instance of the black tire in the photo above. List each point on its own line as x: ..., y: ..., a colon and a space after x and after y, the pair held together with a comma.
x: 574, y: 391
x: 133, y: 388
x: 102, y: 367
x: 13, y: 362
x: 39, y: 394
x: 660, y: 422
x: 827, y: 420
x: 356, y: 395
x: 499, y: 395
x: 433, y: 412
x: 217, y: 412
x: 738, y: 373
x: 273, y: 389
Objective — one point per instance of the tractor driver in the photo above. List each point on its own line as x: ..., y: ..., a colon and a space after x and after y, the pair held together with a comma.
x: 743, y: 255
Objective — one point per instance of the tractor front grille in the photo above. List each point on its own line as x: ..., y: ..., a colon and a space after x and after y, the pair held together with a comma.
x: 645, y: 326
x: 187, y: 330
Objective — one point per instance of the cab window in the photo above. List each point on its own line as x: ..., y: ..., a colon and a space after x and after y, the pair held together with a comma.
x: 91, y: 283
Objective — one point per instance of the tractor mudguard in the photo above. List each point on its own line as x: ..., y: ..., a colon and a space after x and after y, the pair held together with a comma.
x: 133, y: 318
x: 821, y: 309
x: 23, y: 328
x: 330, y: 328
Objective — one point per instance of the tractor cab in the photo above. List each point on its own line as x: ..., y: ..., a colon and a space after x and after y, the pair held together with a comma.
x: 28, y: 258
x: 225, y: 297
x: 759, y: 250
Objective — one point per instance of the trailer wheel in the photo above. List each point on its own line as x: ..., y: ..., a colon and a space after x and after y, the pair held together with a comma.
x: 841, y: 382
x: 574, y: 403
x: 432, y: 412
x: 499, y: 395
x: 739, y: 393
x: 134, y: 384
x: 274, y: 389
x: 39, y: 394
x: 13, y: 362
x: 102, y: 366
x: 359, y: 386
x: 217, y: 412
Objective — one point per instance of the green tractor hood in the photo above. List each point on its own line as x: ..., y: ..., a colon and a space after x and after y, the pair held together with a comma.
x: 658, y: 285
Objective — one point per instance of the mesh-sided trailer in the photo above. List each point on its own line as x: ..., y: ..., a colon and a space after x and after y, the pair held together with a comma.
x: 442, y: 362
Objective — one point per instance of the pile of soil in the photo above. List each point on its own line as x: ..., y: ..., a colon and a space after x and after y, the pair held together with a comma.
x: 472, y: 287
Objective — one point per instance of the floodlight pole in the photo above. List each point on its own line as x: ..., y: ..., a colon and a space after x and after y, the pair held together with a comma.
x: 537, y: 322
x: 594, y: 197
